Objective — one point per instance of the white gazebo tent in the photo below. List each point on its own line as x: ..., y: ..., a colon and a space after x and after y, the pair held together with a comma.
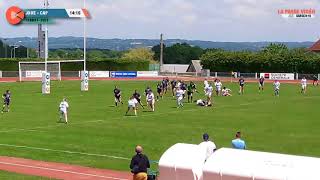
x: 231, y: 164
x: 182, y: 162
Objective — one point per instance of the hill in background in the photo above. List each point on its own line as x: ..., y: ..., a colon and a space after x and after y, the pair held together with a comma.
x: 125, y: 44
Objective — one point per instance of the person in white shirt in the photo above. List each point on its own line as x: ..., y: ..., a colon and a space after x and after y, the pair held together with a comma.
x: 226, y: 92
x: 208, y: 92
x: 207, y: 146
x: 206, y: 84
x: 179, y: 96
x: 151, y: 100
x: 132, y: 104
x: 304, y: 82
x: 218, y: 86
x: 201, y: 102
x: 276, y: 86
x: 63, y: 109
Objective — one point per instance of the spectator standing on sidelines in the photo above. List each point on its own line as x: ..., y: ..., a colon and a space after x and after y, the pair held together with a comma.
x: 238, y: 143
x: 208, y: 146
x: 315, y: 81
x: 139, y: 165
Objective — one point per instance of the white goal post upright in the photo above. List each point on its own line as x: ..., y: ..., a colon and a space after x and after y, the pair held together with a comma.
x: 84, y: 73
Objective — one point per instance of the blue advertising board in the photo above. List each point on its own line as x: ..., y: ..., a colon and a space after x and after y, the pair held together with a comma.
x: 123, y: 74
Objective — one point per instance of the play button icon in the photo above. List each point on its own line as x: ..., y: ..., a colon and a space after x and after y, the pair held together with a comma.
x: 14, y: 15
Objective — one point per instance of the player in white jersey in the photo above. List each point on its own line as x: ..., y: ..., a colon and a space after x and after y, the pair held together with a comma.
x: 276, y: 86
x: 179, y: 96
x: 151, y: 100
x: 206, y: 84
x: 63, y: 109
x: 226, y: 92
x: 218, y: 86
x: 132, y: 104
x: 304, y: 82
x: 208, y: 92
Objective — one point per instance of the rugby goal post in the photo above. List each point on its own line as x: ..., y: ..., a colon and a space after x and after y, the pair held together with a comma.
x: 33, y: 70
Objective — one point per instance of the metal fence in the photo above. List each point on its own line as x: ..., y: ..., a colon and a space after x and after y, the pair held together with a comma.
x: 76, y: 74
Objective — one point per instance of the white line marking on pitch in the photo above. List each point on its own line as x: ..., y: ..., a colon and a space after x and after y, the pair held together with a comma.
x: 59, y: 170
x: 64, y: 151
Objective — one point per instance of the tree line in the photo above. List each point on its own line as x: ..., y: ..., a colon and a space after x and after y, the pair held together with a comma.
x: 273, y: 58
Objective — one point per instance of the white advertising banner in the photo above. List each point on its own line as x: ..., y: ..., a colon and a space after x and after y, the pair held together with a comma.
x: 278, y: 76
x: 34, y: 74
x: 99, y: 74
x: 147, y: 73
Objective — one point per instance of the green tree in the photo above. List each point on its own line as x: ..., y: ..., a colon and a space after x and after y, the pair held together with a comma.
x: 178, y: 53
x: 139, y: 54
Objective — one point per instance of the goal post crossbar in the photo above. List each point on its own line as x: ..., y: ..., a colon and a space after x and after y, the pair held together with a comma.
x: 28, y: 69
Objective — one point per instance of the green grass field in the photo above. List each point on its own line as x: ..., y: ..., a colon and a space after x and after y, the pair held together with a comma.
x: 6, y: 175
x: 288, y: 124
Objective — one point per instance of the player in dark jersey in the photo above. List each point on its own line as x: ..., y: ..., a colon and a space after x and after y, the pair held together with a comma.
x: 147, y: 90
x: 315, y: 81
x: 190, y: 90
x: 6, y: 101
x: 160, y: 90
x: 173, y: 87
x: 183, y: 86
x: 261, y: 83
x: 164, y: 84
x: 137, y: 96
x: 241, y: 84
x: 117, y: 96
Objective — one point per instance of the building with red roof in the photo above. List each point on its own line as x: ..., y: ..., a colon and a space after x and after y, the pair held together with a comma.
x: 315, y: 47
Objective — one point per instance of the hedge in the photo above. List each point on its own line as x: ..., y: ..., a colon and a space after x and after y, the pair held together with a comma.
x: 291, y: 61
x: 97, y: 65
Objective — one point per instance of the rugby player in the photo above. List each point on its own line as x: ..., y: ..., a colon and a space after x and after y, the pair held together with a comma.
x: 206, y: 84
x: 150, y: 100
x: 226, y: 92
x: 304, y: 82
x: 276, y: 86
x: 191, y: 89
x: 208, y: 92
x: 179, y: 96
x: 218, y: 86
x: 173, y: 87
x: 138, y: 97
x: 117, y: 96
x: 63, y: 109
x: 6, y: 101
x: 164, y: 85
x: 132, y: 104
x: 159, y: 91
x: 261, y: 83
x: 241, y: 84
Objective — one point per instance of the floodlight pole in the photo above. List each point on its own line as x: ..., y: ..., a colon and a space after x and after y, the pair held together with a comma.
x: 161, y: 51
x: 84, y: 40
x: 46, y: 3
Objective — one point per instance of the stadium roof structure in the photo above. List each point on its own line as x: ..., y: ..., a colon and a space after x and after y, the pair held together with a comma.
x: 174, y: 68
x: 195, y: 66
x: 315, y: 47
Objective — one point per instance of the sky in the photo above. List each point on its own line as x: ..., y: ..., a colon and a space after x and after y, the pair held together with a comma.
x: 212, y: 20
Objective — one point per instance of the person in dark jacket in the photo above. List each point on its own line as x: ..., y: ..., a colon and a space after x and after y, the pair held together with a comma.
x: 139, y: 165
